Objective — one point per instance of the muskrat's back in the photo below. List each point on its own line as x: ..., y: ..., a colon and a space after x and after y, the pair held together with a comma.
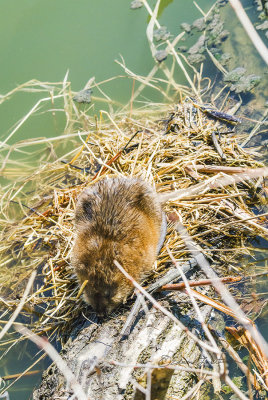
x: 116, y: 219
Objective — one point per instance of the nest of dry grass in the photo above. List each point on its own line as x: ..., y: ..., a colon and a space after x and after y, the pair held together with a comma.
x: 172, y: 151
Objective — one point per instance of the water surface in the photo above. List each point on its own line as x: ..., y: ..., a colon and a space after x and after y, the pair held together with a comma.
x: 44, y: 39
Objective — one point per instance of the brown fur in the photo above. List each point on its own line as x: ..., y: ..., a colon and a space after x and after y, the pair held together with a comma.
x: 116, y: 218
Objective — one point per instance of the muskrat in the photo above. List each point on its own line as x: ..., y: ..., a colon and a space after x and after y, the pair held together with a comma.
x: 116, y: 219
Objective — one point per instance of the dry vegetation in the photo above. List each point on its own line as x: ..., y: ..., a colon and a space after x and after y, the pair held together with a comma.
x: 172, y: 153
x: 175, y: 152
x: 177, y: 148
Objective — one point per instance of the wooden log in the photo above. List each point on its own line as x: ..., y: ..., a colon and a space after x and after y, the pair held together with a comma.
x: 156, y: 351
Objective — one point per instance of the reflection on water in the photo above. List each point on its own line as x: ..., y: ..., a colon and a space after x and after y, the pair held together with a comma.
x: 163, y: 6
x: 259, y: 289
x: 20, y: 357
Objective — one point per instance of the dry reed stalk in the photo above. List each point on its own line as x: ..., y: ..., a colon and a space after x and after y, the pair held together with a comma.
x: 54, y: 355
x: 257, y: 355
x: 19, y: 307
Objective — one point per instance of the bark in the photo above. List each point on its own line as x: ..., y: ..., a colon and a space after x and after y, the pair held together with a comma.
x: 94, y: 355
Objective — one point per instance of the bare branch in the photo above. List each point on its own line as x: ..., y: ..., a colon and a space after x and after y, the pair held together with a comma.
x: 54, y: 355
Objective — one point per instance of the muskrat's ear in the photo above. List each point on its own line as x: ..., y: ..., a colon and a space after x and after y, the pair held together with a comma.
x: 83, y: 210
x: 142, y: 201
x: 87, y: 208
x: 144, y: 198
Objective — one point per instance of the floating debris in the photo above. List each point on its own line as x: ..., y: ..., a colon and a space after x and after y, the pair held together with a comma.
x: 246, y: 83
x: 136, y: 4
x: 186, y: 27
x: 220, y: 115
x: 84, y: 96
x: 196, y: 58
x: 161, y: 55
x: 199, y: 46
x: 240, y: 81
x: 183, y: 49
x: 196, y: 51
x: 225, y: 58
x: 161, y: 34
x: 215, y: 28
x: 215, y: 34
x: 235, y: 75
x: 199, y: 24
x: 262, y: 26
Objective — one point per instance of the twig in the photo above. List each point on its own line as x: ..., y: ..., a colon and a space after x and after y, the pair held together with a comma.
x: 225, y: 294
x: 196, y: 308
x: 192, y: 392
x: 235, y: 389
x: 217, y: 168
x: 163, y: 309
x: 255, y: 129
x: 244, y: 216
x: 202, y: 282
x: 20, y: 305
x: 14, y: 376
x: 170, y: 276
x: 214, y: 183
x: 113, y: 159
x: 235, y: 356
x: 200, y: 371
x: 217, y: 145
x: 217, y: 304
x: 54, y: 355
x: 260, y: 359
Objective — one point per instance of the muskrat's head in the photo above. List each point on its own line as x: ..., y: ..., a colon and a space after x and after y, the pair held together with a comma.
x: 93, y: 258
x: 103, y: 294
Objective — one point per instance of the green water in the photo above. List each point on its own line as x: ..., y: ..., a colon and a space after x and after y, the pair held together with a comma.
x: 44, y: 39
